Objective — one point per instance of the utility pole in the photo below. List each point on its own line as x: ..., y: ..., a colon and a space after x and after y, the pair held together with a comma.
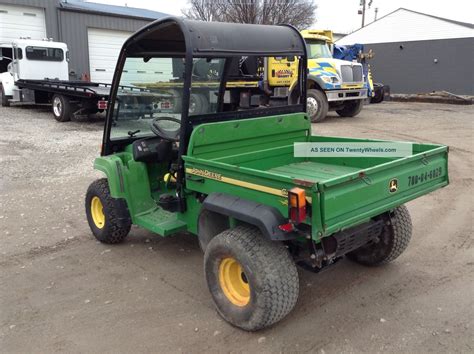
x: 363, y: 8
x: 376, y: 10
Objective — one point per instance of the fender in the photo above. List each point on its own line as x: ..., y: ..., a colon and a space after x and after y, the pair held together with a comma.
x: 317, y: 82
x: 266, y: 218
x: 8, y: 83
x: 293, y: 93
x: 112, y: 166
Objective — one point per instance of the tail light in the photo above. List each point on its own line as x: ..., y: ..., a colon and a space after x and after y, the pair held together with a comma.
x: 297, y: 205
x: 102, y: 104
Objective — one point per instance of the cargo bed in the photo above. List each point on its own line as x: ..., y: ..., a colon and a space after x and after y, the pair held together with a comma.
x: 343, y: 191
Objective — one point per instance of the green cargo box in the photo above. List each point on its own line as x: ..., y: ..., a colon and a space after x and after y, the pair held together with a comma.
x: 254, y: 158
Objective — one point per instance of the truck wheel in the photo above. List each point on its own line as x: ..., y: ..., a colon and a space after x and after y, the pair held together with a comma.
x: 317, y: 105
x: 253, y: 281
x: 198, y: 104
x: 391, y: 243
x: 108, y: 217
x: 378, y: 94
x: 351, y: 108
x: 4, y: 98
x: 61, y: 108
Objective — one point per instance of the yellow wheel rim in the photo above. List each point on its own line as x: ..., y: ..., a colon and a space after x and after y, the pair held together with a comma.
x: 233, y: 282
x: 97, y: 212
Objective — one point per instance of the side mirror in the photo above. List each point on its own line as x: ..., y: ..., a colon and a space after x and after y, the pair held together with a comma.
x: 291, y: 58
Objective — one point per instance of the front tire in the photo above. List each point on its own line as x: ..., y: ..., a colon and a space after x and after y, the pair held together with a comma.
x: 351, y: 108
x: 317, y: 105
x: 391, y: 243
x: 108, y: 217
x: 4, y: 98
x: 61, y: 108
x: 253, y: 281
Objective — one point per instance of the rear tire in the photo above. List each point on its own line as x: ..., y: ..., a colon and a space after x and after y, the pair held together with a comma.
x: 108, y: 217
x: 4, y: 98
x: 317, y: 105
x: 391, y: 243
x: 378, y: 94
x: 61, y: 108
x: 253, y: 281
x: 351, y: 108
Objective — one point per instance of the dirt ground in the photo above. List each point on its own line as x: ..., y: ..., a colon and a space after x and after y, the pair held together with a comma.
x: 60, y: 290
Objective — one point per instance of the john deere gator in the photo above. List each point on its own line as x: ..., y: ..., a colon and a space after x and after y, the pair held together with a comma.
x: 230, y: 175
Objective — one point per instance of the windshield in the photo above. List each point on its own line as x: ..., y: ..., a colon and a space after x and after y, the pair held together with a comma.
x: 150, y: 88
x: 317, y: 49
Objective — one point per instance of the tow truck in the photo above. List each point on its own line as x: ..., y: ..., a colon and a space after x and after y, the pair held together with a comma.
x: 37, y: 72
x: 231, y: 176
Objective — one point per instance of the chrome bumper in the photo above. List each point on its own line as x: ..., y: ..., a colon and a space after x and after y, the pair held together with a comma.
x: 343, y: 95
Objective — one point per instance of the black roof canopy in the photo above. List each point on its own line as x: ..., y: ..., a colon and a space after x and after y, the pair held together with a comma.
x: 174, y: 36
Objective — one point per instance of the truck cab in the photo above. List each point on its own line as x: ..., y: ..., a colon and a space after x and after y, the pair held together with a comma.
x: 333, y: 84
x: 28, y: 59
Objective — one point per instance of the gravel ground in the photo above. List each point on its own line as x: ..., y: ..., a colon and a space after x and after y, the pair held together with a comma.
x: 62, y: 291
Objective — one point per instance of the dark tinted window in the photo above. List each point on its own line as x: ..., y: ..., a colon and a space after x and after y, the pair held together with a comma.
x: 42, y: 53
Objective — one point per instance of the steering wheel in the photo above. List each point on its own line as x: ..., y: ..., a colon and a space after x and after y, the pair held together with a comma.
x: 165, y: 131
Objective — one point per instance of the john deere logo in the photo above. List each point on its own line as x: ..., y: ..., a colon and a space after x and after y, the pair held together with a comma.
x: 393, y: 185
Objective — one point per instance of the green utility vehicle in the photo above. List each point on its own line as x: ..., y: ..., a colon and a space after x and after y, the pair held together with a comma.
x: 230, y: 176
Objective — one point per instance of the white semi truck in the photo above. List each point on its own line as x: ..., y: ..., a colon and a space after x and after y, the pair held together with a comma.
x: 37, y: 72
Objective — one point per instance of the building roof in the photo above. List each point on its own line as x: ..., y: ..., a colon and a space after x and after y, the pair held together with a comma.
x: 83, y: 6
x: 404, y: 25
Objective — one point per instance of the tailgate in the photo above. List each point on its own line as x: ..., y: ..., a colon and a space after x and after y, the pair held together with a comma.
x: 351, y: 199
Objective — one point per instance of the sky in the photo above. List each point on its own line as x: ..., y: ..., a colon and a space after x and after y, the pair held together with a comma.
x: 338, y: 15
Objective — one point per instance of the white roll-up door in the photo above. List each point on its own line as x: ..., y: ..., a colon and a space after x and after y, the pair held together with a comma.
x: 21, y: 21
x: 104, y: 49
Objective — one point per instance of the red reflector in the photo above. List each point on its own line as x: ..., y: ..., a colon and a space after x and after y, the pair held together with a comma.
x: 297, y: 215
x: 286, y: 227
x: 102, y: 104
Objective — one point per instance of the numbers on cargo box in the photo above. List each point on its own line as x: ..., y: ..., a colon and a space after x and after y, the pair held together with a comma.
x: 425, y: 176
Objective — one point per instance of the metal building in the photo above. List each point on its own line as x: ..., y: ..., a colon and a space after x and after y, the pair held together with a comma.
x: 419, y: 53
x: 93, y: 32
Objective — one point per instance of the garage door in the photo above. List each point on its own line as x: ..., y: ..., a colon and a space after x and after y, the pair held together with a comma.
x: 21, y: 21
x: 104, y: 49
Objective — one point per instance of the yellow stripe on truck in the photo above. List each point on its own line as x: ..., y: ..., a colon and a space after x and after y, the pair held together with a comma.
x: 239, y: 183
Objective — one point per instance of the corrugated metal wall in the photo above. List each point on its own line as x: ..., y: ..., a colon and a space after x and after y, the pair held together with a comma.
x: 410, y: 67
x: 73, y: 31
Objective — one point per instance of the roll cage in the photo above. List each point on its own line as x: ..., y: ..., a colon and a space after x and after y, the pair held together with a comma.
x: 178, y: 38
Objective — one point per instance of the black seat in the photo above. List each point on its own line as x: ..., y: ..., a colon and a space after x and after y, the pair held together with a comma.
x: 152, y: 150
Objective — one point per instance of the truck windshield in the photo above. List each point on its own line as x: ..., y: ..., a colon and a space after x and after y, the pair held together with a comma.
x: 153, y: 87
x: 317, y: 49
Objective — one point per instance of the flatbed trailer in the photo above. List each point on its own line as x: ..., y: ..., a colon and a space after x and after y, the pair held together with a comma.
x: 69, y: 99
